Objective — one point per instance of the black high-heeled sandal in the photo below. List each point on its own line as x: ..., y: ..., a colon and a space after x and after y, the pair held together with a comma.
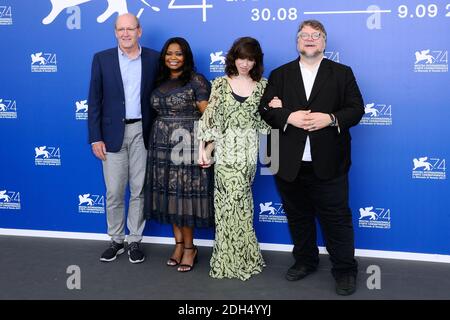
x: 189, y: 267
x: 175, y: 262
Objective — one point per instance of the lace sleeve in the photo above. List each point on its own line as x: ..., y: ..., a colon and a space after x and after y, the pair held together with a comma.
x: 209, y: 128
x: 201, y: 86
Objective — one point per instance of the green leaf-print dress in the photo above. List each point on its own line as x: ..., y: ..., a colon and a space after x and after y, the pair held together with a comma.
x: 234, y: 127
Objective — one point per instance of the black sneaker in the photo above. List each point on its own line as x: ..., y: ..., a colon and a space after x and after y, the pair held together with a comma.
x: 299, y: 271
x: 135, y: 254
x: 346, y: 284
x: 112, y: 252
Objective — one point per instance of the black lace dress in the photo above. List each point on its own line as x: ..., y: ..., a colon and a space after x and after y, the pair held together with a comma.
x: 177, y: 190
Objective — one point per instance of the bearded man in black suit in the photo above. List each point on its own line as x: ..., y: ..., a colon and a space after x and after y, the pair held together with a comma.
x: 314, y: 101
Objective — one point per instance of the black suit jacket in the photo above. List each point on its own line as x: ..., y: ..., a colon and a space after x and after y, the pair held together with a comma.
x: 106, y: 102
x: 334, y: 91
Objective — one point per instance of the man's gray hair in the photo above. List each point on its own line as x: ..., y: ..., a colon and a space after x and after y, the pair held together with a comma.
x: 138, y: 23
x: 315, y: 24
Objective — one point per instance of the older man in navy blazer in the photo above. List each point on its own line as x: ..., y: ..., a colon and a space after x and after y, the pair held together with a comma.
x: 119, y: 121
x: 314, y: 101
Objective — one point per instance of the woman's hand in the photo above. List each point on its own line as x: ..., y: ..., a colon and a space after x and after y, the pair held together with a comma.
x: 275, y: 103
x: 205, y: 159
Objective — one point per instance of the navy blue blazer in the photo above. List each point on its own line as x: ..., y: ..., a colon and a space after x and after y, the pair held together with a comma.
x: 106, y: 101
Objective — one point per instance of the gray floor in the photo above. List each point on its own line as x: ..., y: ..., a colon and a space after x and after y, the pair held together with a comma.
x: 35, y: 268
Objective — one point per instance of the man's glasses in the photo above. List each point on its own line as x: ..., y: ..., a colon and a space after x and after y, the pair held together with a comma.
x: 307, y: 36
x: 129, y: 30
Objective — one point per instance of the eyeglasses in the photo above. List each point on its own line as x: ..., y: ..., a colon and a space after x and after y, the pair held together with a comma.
x: 122, y: 30
x: 307, y: 36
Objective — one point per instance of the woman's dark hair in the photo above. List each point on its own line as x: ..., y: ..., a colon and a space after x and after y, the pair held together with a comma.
x: 245, y: 48
x: 188, y: 68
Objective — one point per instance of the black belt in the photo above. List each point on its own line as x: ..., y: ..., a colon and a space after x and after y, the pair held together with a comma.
x: 130, y: 121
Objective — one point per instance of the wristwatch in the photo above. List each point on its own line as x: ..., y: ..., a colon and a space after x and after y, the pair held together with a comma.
x: 333, y: 122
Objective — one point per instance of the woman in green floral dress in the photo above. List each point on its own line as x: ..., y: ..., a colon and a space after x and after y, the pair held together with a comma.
x: 231, y: 125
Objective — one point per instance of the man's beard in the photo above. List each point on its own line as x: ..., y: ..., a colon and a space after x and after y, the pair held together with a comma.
x: 315, y: 54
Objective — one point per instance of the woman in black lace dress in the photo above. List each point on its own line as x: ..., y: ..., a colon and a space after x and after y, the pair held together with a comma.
x: 177, y: 191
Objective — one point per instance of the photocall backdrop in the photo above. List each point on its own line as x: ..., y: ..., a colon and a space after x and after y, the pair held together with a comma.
x: 398, y: 50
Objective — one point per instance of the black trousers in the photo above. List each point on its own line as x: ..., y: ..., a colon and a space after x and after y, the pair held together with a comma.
x: 308, y: 197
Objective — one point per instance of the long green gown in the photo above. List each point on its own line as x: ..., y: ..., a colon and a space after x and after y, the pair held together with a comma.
x: 234, y: 127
